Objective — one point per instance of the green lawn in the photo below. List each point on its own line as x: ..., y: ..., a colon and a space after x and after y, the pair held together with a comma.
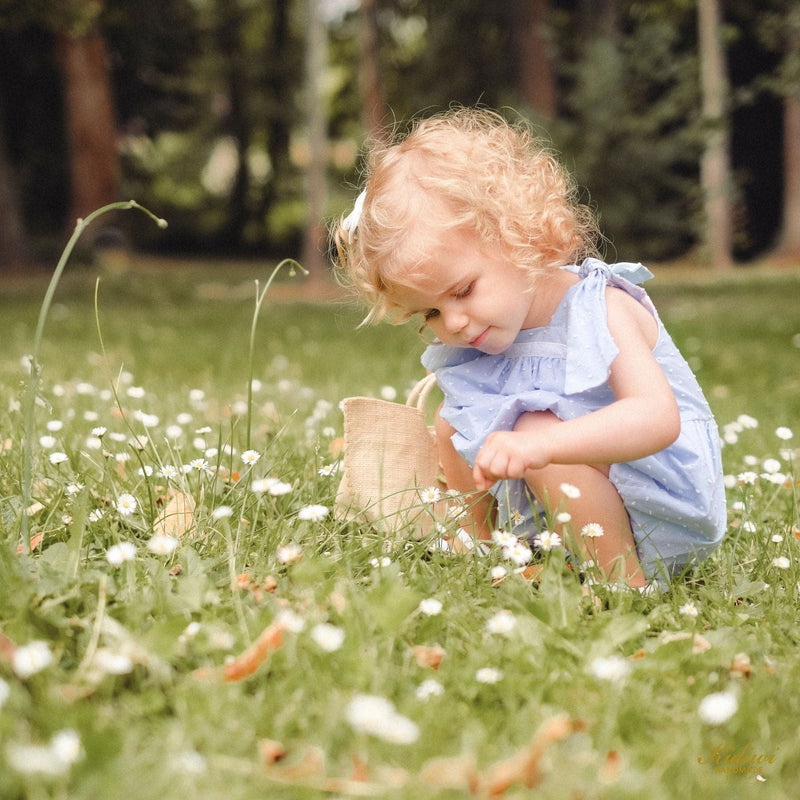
x: 124, y: 696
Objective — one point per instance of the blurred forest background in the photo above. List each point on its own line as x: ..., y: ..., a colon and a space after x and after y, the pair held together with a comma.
x: 242, y: 121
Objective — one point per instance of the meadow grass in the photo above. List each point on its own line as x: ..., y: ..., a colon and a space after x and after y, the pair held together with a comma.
x: 120, y: 627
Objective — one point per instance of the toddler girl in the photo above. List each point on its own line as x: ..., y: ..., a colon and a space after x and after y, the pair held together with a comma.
x: 562, y: 390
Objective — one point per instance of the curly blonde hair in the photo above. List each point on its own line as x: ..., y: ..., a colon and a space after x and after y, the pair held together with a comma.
x: 466, y: 168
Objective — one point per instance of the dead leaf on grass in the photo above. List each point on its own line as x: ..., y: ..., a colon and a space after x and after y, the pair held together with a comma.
x: 429, y: 656
x: 177, y: 517
x: 251, y: 659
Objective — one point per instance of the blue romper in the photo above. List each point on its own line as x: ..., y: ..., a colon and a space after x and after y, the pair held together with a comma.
x: 675, y: 498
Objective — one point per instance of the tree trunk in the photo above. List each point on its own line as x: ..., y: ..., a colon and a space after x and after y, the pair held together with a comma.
x: 373, y: 103
x: 715, y: 170
x: 789, y: 241
x: 91, y: 130
x: 229, y: 36
x: 533, y: 55
x: 279, y: 113
x: 13, y: 244
x: 790, y: 229
x: 316, y: 56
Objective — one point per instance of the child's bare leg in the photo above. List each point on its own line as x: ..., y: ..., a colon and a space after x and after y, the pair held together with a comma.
x: 614, y: 552
x: 458, y: 474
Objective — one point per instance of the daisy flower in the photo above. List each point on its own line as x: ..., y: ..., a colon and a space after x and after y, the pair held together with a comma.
x: 200, y: 464
x: 126, y: 504
x: 162, y: 545
x: 430, y: 495
x: 328, y: 469
x: 501, y: 622
x: 781, y: 562
x: 689, y: 610
x: 784, y: 433
x: 613, y: 668
x: 120, y: 553
x: 58, y: 457
x: 430, y: 607
x: 327, y: 637
x: 289, y: 554
x: 504, y: 538
x: 570, y: 491
x: 592, y: 530
x: 488, y: 675
x: 313, y: 513
x: 378, y: 717
x: 222, y: 512
x: 96, y: 515
x: 718, y: 708
x: 251, y: 457
x: 519, y: 553
x: 429, y: 688
x: 28, y: 659
x: 547, y: 540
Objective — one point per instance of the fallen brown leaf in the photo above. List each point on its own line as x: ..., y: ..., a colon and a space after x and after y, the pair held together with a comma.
x: 741, y: 665
x: 246, y: 663
x: 270, y: 751
x: 428, y: 656
x: 458, y: 773
x: 525, y: 766
x: 177, y: 517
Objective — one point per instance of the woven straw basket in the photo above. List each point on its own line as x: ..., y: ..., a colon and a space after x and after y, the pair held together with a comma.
x: 389, y: 457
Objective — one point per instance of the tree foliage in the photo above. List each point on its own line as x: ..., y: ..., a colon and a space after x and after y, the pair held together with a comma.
x: 212, y: 131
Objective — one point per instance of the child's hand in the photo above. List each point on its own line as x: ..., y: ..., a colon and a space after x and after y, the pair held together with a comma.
x: 508, y: 454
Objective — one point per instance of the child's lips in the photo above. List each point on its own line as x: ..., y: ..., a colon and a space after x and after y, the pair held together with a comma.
x: 479, y: 339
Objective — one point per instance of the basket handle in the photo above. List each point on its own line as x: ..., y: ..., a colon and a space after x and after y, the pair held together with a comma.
x: 419, y: 394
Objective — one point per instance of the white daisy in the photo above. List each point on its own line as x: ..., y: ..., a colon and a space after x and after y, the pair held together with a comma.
x: 488, y: 675
x: 501, y: 622
x: 313, y: 513
x: 28, y: 659
x: 570, y: 491
x: 162, y: 545
x: 430, y: 607
x: 592, y: 530
x: 126, y: 504
x: 328, y: 637
x: 120, y: 553
x: 718, y: 708
x: 378, y: 717
x: 251, y: 457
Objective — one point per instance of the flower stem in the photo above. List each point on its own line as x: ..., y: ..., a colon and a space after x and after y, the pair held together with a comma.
x: 292, y: 264
x: 35, y: 367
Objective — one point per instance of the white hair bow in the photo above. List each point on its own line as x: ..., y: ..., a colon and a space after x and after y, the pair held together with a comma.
x: 350, y: 222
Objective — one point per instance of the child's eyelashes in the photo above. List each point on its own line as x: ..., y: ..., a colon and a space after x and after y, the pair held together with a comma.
x: 466, y: 290
x: 459, y: 294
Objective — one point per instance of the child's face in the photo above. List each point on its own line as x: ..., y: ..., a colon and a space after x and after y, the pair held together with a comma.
x: 468, y: 298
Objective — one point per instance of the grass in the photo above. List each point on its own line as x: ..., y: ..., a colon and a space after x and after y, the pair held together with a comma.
x: 600, y: 693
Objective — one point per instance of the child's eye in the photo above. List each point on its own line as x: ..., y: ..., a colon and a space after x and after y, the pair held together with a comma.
x: 431, y: 313
x: 466, y: 291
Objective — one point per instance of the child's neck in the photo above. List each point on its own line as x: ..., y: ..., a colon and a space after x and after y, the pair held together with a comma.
x: 547, y: 293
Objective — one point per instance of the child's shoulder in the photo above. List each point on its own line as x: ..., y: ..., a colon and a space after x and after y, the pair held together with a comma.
x: 626, y: 314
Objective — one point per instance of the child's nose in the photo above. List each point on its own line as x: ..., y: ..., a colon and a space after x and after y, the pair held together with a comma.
x: 454, y: 321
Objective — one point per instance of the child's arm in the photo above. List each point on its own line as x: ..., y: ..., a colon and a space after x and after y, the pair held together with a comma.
x: 643, y: 419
